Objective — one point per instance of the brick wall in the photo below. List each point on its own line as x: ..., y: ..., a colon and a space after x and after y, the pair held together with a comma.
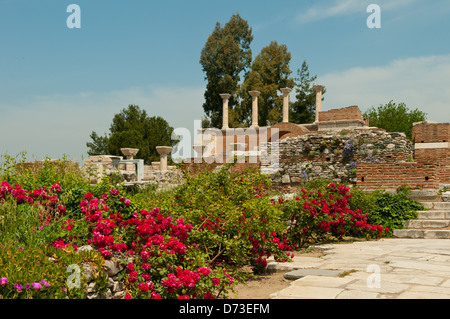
x: 426, y: 132
x: 346, y: 113
x: 391, y: 175
x: 431, y: 155
x: 444, y: 171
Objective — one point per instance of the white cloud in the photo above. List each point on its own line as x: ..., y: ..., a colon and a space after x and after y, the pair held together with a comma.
x: 323, y: 10
x: 61, y: 124
x: 420, y: 82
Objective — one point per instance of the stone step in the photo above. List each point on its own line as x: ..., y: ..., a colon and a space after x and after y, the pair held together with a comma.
x: 437, y: 205
x: 433, y: 198
x: 422, y: 233
x: 426, y: 223
x: 434, y: 214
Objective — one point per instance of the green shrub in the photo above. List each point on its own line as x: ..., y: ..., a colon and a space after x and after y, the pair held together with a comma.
x: 392, y: 210
x: 233, y: 220
x: 386, y: 209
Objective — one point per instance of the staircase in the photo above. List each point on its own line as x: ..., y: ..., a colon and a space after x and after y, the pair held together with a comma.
x: 433, y: 223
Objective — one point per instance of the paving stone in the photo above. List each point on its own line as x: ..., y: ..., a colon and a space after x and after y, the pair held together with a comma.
x: 420, y: 295
x: 385, y: 287
x: 409, y: 269
x: 300, y: 273
x: 323, y: 281
x: 307, y: 292
x: 446, y: 283
x: 357, y: 294
x: 431, y: 289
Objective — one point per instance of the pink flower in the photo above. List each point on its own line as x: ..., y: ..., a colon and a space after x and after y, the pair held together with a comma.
x: 127, y: 296
x: 88, y: 196
x: 114, y: 192
x: 36, y: 285
x: 127, y: 202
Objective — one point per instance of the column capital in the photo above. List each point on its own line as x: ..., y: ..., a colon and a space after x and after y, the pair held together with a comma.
x: 318, y: 88
x: 254, y: 93
x: 225, y: 96
x: 285, y: 91
x: 163, y: 150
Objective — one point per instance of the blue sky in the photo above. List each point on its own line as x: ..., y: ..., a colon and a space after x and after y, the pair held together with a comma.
x: 57, y: 84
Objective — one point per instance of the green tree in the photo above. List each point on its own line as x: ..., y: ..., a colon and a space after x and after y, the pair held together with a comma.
x: 133, y: 128
x: 225, y: 57
x: 269, y: 73
x: 394, y: 117
x: 303, y: 109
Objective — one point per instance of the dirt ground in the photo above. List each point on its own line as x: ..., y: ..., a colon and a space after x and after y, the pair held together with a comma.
x: 262, y: 286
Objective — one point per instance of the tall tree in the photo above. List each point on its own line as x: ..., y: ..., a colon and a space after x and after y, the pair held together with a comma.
x: 269, y: 73
x: 133, y: 128
x: 394, y: 117
x: 303, y: 109
x: 225, y: 57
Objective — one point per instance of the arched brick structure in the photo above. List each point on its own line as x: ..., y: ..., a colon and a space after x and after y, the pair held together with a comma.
x: 289, y: 130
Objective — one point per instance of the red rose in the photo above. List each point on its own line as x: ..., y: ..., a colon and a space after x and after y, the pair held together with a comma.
x: 215, y: 281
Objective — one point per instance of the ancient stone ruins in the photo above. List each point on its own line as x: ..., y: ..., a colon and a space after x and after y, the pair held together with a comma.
x: 339, y: 145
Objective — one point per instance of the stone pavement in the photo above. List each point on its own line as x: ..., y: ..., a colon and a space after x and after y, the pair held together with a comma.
x: 393, y: 268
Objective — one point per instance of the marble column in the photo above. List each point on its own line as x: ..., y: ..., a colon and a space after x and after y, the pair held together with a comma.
x: 286, y: 92
x: 254, y: 95
x: 319, y: 90
x: 163, y: 151
x: 129, y: 153
x: 225, y: 97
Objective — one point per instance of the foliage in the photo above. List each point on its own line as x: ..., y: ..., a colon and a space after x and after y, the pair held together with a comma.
x: 133, y: 128
x: 72, y: 180
x: 269, y: 72
x: 303, y: 109
x: 41, y: 273
x: 225, y: 57
x: 233, y: 220
x: 395, y: 117
x: 191, y: 242
x: 389, y: 210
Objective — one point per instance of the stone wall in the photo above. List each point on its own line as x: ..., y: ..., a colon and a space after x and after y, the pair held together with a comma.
x: 102, y: 165
x: 335, y: 155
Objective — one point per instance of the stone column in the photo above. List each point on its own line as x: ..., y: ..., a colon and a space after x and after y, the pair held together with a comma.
x: 129, y: 153
x: 163, y: 151
x: 286, y: 92
x: 319, y: 90
x: 254, y: 95
x: 225, y: 97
